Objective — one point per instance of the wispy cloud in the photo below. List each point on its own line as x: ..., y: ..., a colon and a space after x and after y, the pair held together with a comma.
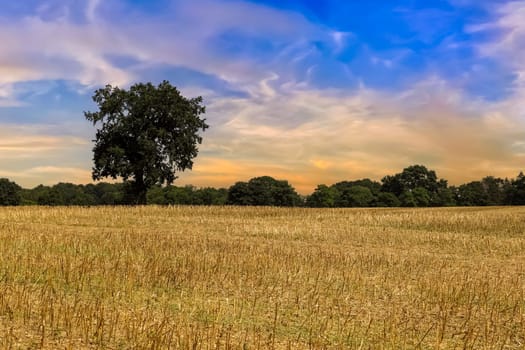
x: 36, y: 49
x: 506, y: 33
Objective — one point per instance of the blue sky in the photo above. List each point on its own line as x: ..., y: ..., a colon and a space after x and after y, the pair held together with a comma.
x: 309, y: 91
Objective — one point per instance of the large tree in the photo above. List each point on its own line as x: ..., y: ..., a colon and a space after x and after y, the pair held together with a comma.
x: 146, y: 135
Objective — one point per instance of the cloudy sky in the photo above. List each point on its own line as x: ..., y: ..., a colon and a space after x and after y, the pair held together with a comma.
x: 308, y: 91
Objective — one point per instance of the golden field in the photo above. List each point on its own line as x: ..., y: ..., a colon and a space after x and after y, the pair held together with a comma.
x: 262, y: 278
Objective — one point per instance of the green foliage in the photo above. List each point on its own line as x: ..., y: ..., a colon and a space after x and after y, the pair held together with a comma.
x: 421, y: 196
x: 106, y: 193
x: 63, y: 194
x: 322, y: 197
x: 411, y: 178
x: 373, y: 186
x: 472, y: 194
x: 240, y: 194
x: 9, y: 193
x: 407, y: 199
x: 387, y: 199
x: 444, y: 197
x: 359, y: 196
x: 418, y: 197
x: 393, y: 184
x: 360, y: 193
x: 156, y: 195
x: 264, y: 190
x: 146, y: 135
x: 187, y: 195
x: 210, y: 196
x: 516, y: 190
x: 31, y: 196
x: 51, y: 197
x: 495, y: 190
x: 179, y: 195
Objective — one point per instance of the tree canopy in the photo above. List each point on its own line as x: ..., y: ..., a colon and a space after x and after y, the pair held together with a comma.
x: 264, y: 190
x: 9, y: 193
x: 146, y: 134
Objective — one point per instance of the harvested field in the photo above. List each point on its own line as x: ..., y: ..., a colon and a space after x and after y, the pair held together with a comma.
x: 262, y: 278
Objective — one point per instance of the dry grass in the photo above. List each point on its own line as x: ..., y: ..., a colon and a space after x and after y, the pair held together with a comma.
x: 250, y: 278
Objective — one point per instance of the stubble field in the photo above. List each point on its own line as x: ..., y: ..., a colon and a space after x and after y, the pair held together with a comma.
x: 259, y: 278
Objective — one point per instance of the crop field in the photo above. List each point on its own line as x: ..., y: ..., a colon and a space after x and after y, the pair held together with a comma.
x: 262, y: 278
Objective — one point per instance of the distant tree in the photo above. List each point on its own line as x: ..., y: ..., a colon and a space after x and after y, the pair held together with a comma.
x: 27, y: 197
x: 105, y: 193
x: 68, y: 194
x: 52, y: 197
x: 9, y: 193
x: 359, y: 196
x: 373, y: 186
x: 264, y: 190
x: 421, y: 196
x: 146, y: 134
x: 353, y: 193
x: 210, y: 196
x: 156, y: 195
x: 472, y: 194
x: 71, y: 194
x: 444, y: 197
x: 418, y: 176
x: 393, y: 184
x: 387, y: 199
x: 31, y: 196
x: 494, y: 187
x: 322, y: 197
x: 516, y: 190
x: 240, y: 194
x: 413, y: 177
x: 179, y: 195
x: 407, y: 199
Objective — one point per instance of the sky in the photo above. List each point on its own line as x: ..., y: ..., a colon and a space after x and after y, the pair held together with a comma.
x: 314, y: 92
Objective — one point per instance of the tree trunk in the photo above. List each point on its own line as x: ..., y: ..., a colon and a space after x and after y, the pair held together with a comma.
x: 140, y: 189
x: 141, y: 196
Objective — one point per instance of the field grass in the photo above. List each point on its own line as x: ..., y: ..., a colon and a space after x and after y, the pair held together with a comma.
x: 259, y: 278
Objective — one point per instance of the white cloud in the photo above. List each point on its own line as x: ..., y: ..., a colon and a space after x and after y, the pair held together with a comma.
x: 508, y: 44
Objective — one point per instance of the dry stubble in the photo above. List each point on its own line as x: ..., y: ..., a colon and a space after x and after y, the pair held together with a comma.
x: 250, y: 278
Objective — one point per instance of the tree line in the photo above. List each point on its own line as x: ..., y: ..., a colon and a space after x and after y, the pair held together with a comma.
x: 415, y: 186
